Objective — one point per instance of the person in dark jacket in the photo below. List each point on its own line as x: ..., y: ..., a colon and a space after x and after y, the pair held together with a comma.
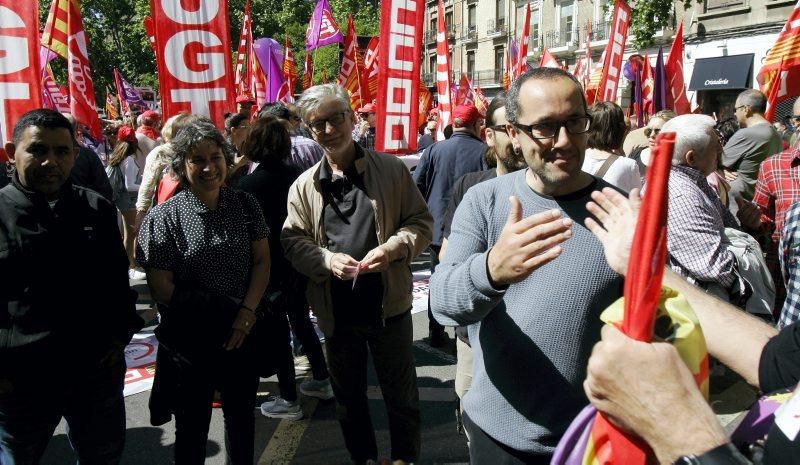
x: 88, y: 170
x: 269, y: 144
x: 59, y: 240
x: 439, y: 167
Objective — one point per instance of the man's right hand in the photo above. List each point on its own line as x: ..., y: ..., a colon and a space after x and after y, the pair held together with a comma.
x: 617, y: 218
x: 526, y: 244
x: 344, y: 266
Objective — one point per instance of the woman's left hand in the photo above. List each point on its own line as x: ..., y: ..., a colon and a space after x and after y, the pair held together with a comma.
x: 242, y: 325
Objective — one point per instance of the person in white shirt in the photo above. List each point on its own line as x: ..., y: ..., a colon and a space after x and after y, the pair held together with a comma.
x: 604, y: 157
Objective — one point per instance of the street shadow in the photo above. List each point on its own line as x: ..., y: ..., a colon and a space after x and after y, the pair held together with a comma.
x: 143, y: 446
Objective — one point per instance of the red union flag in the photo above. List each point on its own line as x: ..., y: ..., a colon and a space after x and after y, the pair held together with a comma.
x: 193, y: 56
x: 289, y: 68
x: 350, y: 71
x: 398, y: 71
x: 308, y: 72
x: 243, y: 76
x: 442, y: 74
x: 676, y: 89
x: 522, y: 58
x: 612, y: 66
x: 20, y: 83
x: 783, y: 62
x: 370, y: 71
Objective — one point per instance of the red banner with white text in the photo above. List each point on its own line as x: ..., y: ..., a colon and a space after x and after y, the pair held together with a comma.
x: 612, y: 66
x: 194, y: 59
x: 399, y: 72
x: 20, y: 82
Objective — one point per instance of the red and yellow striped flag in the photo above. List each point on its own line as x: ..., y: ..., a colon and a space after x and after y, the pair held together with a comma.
x: 308, y: 72
x: 56, y: 29
x: 782, y: 63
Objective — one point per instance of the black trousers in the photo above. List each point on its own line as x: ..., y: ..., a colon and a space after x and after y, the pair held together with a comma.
x: 237, y: 383
x: 433, y: 325
x: 390, y: 347
x: 484, y: 450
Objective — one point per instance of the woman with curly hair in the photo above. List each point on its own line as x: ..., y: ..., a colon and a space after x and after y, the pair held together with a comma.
x: 206, y: 255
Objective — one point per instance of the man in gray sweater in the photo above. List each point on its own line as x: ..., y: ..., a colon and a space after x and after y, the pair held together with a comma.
x: 529, y: 278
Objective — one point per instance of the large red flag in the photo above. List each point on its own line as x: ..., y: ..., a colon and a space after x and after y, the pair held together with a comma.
x: 399, y: 74
x: 20, y: 80
x: 243, y: 75
x: 194, y: 59
x: 783, y: 56
x: 82, y: 101
x: 289, y: 68
x: 547, y: 60
x: 648, y: 86
x: 442, y: 74
x: 464, y: 93
x: 350, y: 71
x: 676, y: 89
x: 522, y: 58
x: 612, y: 67
x: 777, y: 83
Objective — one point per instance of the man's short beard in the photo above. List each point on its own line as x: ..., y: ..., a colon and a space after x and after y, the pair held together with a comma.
x: 514, y: 160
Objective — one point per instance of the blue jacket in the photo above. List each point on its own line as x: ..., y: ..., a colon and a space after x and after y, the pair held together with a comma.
x: 438, y: 169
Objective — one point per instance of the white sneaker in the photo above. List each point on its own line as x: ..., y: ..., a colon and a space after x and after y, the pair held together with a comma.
x: 321, y: 389
x: 281, y: 408
x: 136, y: 275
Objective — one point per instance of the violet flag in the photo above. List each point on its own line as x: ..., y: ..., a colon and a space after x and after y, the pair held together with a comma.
x: 269, y: 54
x: 127, y: 92
x: 322, y: 28
x: 638, y: 99
x: 660, y: 84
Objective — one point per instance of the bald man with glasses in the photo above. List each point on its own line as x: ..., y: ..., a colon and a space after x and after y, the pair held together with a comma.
x: 528, y: 278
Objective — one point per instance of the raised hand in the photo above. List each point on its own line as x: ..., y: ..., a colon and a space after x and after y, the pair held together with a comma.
x: 617, y: 216
x: 526, y: 244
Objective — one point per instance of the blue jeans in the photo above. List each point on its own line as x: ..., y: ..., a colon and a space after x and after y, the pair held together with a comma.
x: 89, y: 399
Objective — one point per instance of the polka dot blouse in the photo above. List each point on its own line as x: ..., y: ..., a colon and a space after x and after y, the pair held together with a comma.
x: 210, y: 248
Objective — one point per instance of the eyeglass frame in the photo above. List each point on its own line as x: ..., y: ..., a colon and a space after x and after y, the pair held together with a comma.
x: 648, y: 130
x: 324, y: 122
x: 500, y: 127
x: 526, y: 128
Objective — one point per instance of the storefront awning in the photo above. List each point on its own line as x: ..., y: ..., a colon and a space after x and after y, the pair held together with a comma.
x: 727, y: 72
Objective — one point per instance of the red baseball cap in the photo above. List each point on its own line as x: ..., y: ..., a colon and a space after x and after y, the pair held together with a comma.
x: 368, y: 108
x: 151, y: 114
x: 127, y: 134
x: 464, y: 115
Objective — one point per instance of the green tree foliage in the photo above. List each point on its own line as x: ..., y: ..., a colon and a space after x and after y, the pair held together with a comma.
x: 649, y: 17
x: 116, y: 36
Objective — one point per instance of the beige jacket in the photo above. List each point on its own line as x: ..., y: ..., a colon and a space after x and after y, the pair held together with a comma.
x: 402, y: 222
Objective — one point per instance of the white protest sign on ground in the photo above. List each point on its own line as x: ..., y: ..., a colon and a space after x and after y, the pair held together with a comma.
x: 420, y: 292
x: 140, y: 358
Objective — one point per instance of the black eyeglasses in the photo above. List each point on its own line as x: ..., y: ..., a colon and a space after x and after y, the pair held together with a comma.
x: 550, y: 130
x: 653, y: 131
x: 795, y: 117
x: 498, y: 127
x: 335, y: 120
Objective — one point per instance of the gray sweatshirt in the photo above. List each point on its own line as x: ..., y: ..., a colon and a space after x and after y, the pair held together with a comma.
x: 531, y: 342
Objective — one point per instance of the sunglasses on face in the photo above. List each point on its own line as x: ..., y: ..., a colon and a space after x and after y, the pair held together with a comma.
x: 651, y: 131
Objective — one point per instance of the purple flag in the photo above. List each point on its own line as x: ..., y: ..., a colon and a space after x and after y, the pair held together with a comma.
x: 660, y: 84
x: 513, y: 52
x: 322, y: 28
x: 127, y: 92
x: 269, y: 54
x: 637, y: 94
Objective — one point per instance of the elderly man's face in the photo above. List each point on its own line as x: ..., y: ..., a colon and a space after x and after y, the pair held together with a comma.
x: 332, y: 125
x: 707, y: 162
x: 43, y: 159
x: 558, y: 160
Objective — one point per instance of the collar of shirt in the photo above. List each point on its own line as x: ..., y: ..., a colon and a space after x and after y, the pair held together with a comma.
x: 687, y: 171
x: 199, y: 207
x: 326, y: 173
x: 795, y: 156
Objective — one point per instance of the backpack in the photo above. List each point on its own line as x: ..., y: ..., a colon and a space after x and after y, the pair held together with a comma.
x: 117, y: 181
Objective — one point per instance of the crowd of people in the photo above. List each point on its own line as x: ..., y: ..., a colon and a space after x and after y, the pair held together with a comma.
x: 527, y: 212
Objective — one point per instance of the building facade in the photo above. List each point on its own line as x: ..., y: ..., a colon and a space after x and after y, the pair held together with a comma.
x: 736, y: 32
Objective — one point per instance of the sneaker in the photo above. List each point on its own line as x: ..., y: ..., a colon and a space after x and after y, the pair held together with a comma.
x: 136, y: 275
x: 281, y: 408
x: 321, y: 389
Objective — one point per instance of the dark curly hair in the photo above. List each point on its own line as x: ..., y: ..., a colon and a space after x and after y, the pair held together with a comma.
x: 187, y: 139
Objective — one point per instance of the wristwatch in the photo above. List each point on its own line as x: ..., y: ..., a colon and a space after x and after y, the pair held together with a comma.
x: 726, y: 454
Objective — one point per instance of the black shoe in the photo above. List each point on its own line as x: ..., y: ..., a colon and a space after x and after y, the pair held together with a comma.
x: 438, y: 338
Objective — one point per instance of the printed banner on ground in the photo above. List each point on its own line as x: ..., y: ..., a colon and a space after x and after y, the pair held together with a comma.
x: 20, y: 80
x: 194, y: 59
x: 140, y: 358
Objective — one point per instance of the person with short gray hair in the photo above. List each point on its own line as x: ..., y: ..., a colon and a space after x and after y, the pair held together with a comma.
x: 696, y: 218
x: 355, y: 222
x: 749, y: 146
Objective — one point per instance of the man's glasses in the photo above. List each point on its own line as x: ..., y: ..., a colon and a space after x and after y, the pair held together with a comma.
x: 498, y: 127
x: 550, y: 130
x: 335, y: 120
x: 653, y: 131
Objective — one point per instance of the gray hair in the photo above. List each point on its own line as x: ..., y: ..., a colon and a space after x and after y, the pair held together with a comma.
x: 311, y: 98
x: 692, y: 132
x: 175, y: 123
x: 186, y: 139
x: 753, y: 98
x: 513, y: 110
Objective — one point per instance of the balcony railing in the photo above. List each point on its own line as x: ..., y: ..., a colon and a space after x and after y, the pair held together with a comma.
x: 429, y: 37
x: 601, y: 30
x: 555, y: 39
x: 717, y: 5
x: 470, y: 34
x: 485, y: 77
x: 496, y: 26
